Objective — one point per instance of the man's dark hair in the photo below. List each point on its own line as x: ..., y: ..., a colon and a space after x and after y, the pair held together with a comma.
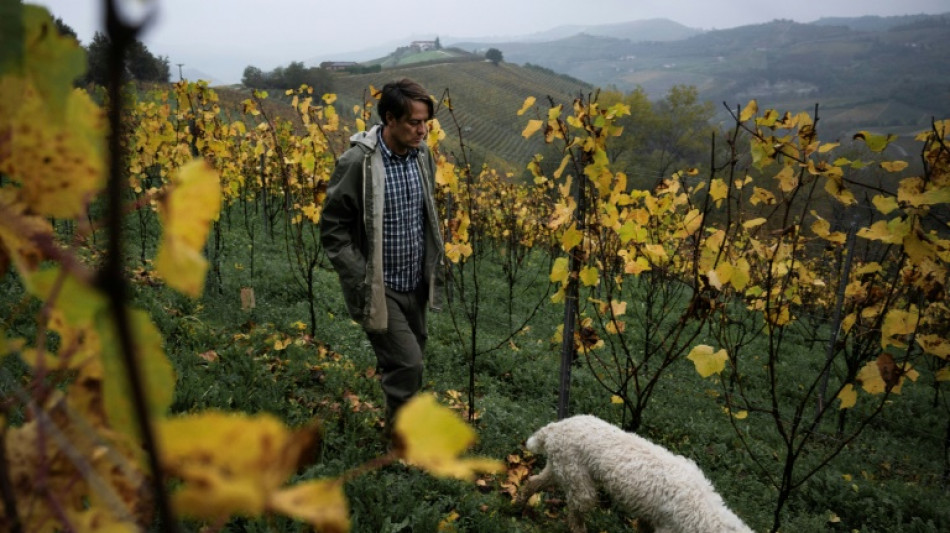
x: 397, y: 97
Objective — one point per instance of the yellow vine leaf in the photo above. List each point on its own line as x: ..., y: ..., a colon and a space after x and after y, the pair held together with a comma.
x: 919, y: 251
x: 432, y: 437
x: 707, y: 361
x: 57, y: 158
x: 563, y: 212
x: 835, y: 186
x: 883, y: 374
x: 571, y: 238
x: 533, y: 126
x: 943, y: 374
x: 827, y: 147
x: 455, y: 252
x: 894, y: 166
x: 884, y: 204
x: 916, y: 192
x: 560, y: 169
x: 720, y: 275
x: 320, y: 503
x: 778, y: 316
x: 787, y: 179
x: 20, y: 232
x: 560, y: 271
x: 99, y: 490
x: 935, y: 345
x: 822, y: 228
x: 187, y: 211
x: 898, y: 323
x: 870, y: 378
x: 848, y: 397
x: 761, y: 196
x: 718, y: 190
x: 528, y: 102
x: 590, y: 276
x: 692, y: 222
x: 749, y: 111
x: 98, y: 520
x: 889, y: 232
x: 634, y: 265
x: 618, y: 308
x: 656, y: 253
x: 233, y: 463
x: 754, y: 223
x: 738, y: 415
x: 768, y: 118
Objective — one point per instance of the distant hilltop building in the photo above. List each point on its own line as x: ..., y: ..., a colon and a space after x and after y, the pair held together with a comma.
x: 424, y: 46
x: 338, y: 65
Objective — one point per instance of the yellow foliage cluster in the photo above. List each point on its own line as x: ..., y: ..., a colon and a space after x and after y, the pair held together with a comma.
x: 752, y: 258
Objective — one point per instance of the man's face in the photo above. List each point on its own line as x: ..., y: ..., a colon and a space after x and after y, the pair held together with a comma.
x: 408, y: 132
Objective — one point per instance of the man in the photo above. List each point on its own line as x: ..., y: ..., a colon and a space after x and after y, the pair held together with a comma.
x: 380, y: 229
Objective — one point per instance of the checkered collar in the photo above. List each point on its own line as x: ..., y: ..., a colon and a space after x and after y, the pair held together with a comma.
x: 389, y: 154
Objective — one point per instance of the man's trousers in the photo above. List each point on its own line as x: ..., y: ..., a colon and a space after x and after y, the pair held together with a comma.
x: 399, y: 351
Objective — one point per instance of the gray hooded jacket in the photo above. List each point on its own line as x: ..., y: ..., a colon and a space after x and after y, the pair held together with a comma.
x: 351, y: 230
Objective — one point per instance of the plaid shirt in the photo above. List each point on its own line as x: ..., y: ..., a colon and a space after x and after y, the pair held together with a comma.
x: 403, y: 220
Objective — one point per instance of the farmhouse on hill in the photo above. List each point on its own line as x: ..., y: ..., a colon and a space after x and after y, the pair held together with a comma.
x: 338, y: 65
x: 423, y: 46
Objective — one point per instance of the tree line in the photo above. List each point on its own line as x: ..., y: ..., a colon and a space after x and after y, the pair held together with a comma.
x: 140, y: 63
x: 292, y: 76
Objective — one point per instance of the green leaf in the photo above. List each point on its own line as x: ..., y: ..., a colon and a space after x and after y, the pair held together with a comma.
x: 79, y: 302
x: 630, y: 230
x: 560, y: 271
x: 590, y: 276
x: 52, y: 60
x: 876, y: 143
x: 762, y: 153
x: 11, y: 36
x: 156, y: 372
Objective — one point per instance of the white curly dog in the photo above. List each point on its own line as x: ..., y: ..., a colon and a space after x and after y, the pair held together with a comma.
x: 667, y: 491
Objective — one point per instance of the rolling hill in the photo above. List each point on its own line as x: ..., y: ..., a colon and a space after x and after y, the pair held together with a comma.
x: 485, y: 98
x: 888, y: 73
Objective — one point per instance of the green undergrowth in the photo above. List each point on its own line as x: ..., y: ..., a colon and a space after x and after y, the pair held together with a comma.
x: 265, y: 360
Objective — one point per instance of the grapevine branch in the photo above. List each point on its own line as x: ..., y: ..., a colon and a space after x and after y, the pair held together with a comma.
x: 111, y: 278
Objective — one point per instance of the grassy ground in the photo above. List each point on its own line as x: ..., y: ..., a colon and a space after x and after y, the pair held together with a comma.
x: 889, y: 480
x: 232, y: 359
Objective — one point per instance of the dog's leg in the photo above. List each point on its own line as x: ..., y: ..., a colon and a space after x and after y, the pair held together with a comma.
x: 581, y: 493
x: 536, y: 483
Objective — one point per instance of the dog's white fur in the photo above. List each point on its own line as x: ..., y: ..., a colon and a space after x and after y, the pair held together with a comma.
x: 665, y: 490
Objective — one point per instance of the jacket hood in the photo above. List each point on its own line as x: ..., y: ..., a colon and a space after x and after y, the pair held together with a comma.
x: 366, y: 139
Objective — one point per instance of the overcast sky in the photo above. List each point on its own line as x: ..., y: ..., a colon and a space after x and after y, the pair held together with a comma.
x: 221, y: 37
